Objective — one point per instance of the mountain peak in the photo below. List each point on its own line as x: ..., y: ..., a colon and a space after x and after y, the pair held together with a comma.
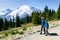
x: 8, y: 9
x: 25, y: 6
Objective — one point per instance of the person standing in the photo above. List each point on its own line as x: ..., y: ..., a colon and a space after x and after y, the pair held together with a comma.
x: 42, y: 25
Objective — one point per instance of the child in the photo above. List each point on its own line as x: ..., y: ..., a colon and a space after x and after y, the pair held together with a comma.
x: 46, y: 27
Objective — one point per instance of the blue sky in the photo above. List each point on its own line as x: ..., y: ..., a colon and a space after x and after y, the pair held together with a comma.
x: 40, y: 4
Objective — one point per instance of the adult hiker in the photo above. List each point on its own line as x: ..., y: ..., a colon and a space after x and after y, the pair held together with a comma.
x: 42, y: 25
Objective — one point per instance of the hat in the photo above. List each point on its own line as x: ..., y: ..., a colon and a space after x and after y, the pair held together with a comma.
x: 42, y: 17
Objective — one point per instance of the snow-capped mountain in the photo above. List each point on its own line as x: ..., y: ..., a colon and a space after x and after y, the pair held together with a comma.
x: 23, y: 11
x: 7, y: 11
x: 4, y: 13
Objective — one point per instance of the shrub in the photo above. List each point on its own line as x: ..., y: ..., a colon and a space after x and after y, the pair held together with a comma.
x: 14, y: 32
x: 6, y: 34
x: 24, y: 28
x: 21, y: 32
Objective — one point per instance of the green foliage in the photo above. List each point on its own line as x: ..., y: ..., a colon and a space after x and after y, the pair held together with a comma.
x: 27, y: 19
x: 24, y: 28
x: 46, y: 12
x: 58, y: 12
x: 18, y: 22
x: 6, y: 24
x: 13, y: 23
x: 6, y: 34
x: 14, y: 32
x: 35, y: 18
x: 21, y: 32
x: 1, y: 24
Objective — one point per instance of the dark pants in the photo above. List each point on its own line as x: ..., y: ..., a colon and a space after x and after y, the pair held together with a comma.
x: 42, y: 28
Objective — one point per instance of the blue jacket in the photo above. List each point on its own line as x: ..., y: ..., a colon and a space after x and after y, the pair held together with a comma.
x: 42, y: 22
x: 46, y: 25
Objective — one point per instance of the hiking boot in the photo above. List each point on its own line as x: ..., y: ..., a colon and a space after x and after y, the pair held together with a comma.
x: 44, y: 33
x: 40, y: 33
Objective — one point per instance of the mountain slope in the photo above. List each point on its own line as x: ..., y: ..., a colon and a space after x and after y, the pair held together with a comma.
x: 23, y: 11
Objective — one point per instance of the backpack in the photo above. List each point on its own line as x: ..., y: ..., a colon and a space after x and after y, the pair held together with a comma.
x: 43, y: 22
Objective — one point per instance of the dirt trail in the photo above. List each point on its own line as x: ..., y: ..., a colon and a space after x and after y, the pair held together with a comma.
x: 54, y: 35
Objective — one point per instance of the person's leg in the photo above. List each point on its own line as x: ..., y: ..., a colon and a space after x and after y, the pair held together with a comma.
x: 44, y: 29
x: 47, y: 32
x: 41, y: 29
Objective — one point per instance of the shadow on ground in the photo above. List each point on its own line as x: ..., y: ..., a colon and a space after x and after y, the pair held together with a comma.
x: 53, y: 34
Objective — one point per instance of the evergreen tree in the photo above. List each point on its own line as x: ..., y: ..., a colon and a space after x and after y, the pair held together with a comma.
x: 40, y: 15
x: 18, y: 23
x: 6, y: 24
x: 46, y: 12
x: 28, y: 19
x: 1, y: 24
x: 58, y: 12
x: 53, y: 14
x: 35, y: 19
x: 13, y: 23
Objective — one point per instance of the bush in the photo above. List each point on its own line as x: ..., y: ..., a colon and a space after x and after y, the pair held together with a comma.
x: 14, y: 32
x: 24, y: 28
x: 6, y: 34
x: 21, y: 32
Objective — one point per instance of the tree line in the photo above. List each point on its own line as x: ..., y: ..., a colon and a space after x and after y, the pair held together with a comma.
x: 35, y: 18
